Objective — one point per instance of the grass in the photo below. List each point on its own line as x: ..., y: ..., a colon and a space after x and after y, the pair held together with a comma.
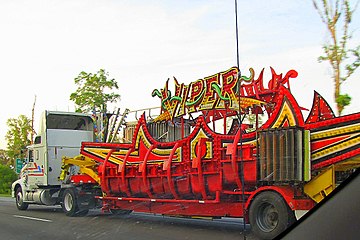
x: 5, y: 194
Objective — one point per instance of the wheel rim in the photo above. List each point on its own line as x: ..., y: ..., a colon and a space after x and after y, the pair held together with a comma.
x: 268, y: 217
x: 19, y: 198
x: 68, y: 202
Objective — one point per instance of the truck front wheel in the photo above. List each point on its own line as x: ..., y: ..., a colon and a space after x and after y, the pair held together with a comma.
x: 20, y: 204
x: 269, y: 215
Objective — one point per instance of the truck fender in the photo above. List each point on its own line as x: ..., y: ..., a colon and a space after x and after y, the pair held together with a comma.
x: 286, y: 193
x: 15, y: 185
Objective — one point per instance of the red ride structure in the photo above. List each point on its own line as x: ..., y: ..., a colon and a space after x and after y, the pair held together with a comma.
x: 178, y: 164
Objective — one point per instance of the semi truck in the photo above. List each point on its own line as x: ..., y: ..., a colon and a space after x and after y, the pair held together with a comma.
x: 226, y: 145
x: 59, y: 134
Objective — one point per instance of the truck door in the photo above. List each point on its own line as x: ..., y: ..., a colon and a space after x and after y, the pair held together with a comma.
x: 35, y: 168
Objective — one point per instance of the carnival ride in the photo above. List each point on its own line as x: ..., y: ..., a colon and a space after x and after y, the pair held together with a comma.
x: 179, y: 164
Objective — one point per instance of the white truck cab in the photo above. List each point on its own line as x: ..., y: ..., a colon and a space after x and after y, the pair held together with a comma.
x: 60, y: 134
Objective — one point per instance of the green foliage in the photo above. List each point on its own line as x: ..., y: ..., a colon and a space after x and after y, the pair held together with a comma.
x: 350, y: 68
x: 93, y: 92
x: 8, y: 176
x: 343, y: 100
x: 4, y: 158
x: 18, y: 136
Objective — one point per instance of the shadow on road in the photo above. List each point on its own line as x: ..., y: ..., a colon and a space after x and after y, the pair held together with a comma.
x: 141, y: 222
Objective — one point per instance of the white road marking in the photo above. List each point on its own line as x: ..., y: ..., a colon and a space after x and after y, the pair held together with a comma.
x: 32, y: 218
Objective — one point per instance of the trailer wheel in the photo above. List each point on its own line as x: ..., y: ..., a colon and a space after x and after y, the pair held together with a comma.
x: 20, y: 204
x: 269, y: 215
x: 69, y: 203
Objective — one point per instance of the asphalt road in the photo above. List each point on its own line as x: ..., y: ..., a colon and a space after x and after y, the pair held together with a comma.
x: 50, y: 223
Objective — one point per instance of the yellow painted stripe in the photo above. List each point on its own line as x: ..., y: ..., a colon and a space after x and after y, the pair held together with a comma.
x: 335, y: 131
x: 336, y: 148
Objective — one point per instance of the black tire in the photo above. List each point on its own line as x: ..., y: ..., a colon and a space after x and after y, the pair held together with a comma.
x: 270, y: 215
x: 69, y: 203
x: 120, y: 211
x: 19, y: 198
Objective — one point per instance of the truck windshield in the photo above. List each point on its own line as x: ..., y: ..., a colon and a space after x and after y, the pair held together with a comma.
x: 55, y: 121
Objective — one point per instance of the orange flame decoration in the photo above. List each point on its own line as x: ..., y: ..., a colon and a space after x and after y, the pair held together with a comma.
x: 219, y: 91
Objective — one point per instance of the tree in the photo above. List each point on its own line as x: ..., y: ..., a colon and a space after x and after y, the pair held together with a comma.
x: 4, y: 158
x: 18, y: 136
x: 8, y: 176
x: 93, y: 91
x: 335, y: 14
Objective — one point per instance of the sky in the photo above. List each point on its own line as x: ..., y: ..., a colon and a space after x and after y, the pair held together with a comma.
x: 45, y: 44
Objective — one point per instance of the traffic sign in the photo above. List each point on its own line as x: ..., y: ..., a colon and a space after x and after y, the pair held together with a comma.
x: 19, y: 163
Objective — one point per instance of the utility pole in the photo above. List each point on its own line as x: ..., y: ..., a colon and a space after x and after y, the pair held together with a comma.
x: 32, y: 122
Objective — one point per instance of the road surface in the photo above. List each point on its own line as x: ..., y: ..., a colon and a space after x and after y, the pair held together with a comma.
x: 50, y: 223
